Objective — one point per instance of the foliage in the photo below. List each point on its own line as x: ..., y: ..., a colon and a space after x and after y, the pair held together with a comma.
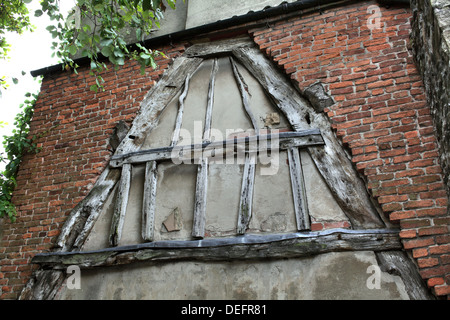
x: 15, y: 147
x: 102, y: 26
x: 14, y: 17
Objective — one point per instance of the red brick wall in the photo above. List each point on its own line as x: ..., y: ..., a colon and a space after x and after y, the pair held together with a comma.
x: 380, y: 115
x: 75, y: 149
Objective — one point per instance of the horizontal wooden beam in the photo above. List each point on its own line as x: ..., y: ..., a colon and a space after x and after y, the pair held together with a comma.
x: 246, y: 247
x: 285, y: 140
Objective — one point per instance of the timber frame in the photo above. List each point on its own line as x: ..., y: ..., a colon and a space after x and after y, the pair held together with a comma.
x: 312, y: 131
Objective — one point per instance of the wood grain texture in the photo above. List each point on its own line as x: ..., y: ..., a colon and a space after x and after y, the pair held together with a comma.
x: 247, y: 247
x: 201, y: 188
x: 120, y: 206
x: 298, y: 190
x: 285, y: 140
x: 149, y: 201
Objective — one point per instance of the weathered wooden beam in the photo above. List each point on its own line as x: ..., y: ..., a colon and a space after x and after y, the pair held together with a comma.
x: 153, y: 104
x: 286, y: 140
x: 83, y: 217
x: 399, y: 264
x: 248, y: 178
x: 298, y: 190
x: 346, y: 186
x: 224, y: 47
x: 243, y: 89
x: 246, y: 247
x: 149, y: 201
x: 245, y: 202
x: 43, y: 285
x: 120, y: 207
x: 210, y: 102
x: 179, y: 119
x: 284, y: 96
x: 201, y: 188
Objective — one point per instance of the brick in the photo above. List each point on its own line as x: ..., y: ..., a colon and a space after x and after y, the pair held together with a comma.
x: 432, y: 212
x: 418, y: 243
x: 437, y: 271
x: 443, y: 239
x: 421, y: 252
x: 445, y: 259
x: 316, y: 226
x: 414, y: 223
x: 418, y: 204
x: 442, y: 290
x: 427, y: 262
x: 435, y: 281
x: 433, y: 231
x: 400, y: 215
x: 445, y: 248
x: 408, y: 234
x: 394, y: 198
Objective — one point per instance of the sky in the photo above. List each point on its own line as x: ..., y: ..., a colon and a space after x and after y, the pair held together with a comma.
x: 29, y: 51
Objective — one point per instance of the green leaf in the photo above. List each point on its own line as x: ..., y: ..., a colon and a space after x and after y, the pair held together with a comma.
x: 72, y: 49
x: 38, y: 13
x: 118, y: 53
x: 15, y: 80
x: 106, y: 42
x: 171, y: 3
x: 106, y: 51
x: 139, y: 34
x: 120, y: 61
x: 136, y: 19
x: 99, y: 7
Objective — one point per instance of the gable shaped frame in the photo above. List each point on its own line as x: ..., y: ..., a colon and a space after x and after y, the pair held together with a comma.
x: 369, y: 230
x: 331, y: 160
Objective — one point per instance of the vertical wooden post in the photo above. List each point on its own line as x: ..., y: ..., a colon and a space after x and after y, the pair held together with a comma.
x: 245, y: 205
x: 198, y: 228
x: 298, y: 190
x: 248, y: 179
x: 120, y: 205
x: 179, y: 120
x: 149, y: 201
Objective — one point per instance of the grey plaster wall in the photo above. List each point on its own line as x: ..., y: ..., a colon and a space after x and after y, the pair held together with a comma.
x: 202, y: 12
x: 430, y: 41
x: 344, y: 275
